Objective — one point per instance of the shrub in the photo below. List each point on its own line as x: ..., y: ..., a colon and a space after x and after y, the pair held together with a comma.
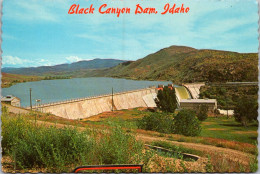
x: 117, y: 147
x: 160, y: 122
x: 203, y: 112
x: 166, y: 100
x: 186, y: 123
x: 246, y: 111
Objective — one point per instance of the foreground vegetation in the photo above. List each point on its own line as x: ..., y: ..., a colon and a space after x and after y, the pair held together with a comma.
x: 107, y: 143
x: 34, y: 148
x: 62, y: 149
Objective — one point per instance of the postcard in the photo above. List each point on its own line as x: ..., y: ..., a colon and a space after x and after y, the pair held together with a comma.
x: 119, y: 86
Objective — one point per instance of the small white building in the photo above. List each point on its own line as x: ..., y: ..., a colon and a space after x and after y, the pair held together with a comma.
x: 11, y: 100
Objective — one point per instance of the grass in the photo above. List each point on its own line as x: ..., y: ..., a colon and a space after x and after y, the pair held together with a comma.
x: 130, y: 124
x: 229, y: 129
x: 123, y: 118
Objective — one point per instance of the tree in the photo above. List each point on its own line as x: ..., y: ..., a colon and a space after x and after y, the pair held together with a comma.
x: 166, y: 99
x: 245, y: 111
x: 186, y: 123
x: 202, y: 113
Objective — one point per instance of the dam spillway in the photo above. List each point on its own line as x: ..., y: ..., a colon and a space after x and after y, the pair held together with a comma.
x: 86, y: 107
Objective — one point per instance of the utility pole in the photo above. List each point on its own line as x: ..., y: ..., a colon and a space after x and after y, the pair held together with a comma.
x: 112, y: 99
x: 31, y: 98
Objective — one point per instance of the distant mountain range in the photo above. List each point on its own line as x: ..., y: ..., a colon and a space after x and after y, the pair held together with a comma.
x: 175, y: 63
x: 57, y: 69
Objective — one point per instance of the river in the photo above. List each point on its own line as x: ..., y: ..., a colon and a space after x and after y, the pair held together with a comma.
x: 64, y: 89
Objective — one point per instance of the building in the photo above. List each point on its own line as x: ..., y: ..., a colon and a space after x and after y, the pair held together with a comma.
x: 195, y: 103
x: 11, y: 100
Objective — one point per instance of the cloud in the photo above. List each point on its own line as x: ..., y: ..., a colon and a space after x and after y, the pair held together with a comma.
x: 14, y: 60
x: 73, y: 59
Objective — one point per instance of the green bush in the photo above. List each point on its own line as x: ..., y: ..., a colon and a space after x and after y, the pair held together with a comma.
x: 117, y: 147
x: 160, y: 122
x: 186, y: 123
x: 246, y: 110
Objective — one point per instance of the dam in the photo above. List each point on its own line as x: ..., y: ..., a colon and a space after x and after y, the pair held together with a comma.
x: 89, y: 106
x: 86, y: 107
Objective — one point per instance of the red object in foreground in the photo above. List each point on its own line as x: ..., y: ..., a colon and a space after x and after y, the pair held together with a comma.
x: 110, y: 167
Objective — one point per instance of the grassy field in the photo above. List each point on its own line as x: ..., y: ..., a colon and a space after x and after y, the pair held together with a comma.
x: 229, y: 129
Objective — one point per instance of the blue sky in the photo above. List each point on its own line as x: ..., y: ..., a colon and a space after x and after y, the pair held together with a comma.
x: 41, y: 32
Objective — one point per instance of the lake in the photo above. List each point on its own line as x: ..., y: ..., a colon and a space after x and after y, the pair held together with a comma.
x: 64, y: 89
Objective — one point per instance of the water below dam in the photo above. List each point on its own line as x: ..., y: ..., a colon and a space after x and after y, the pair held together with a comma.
x: 65, y: 89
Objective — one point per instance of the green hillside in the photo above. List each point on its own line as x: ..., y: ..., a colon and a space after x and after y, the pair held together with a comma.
x: 185, y: 64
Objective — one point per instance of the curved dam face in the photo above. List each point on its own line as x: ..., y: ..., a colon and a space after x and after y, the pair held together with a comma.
x: 182, y: 93
x: 92, y: 106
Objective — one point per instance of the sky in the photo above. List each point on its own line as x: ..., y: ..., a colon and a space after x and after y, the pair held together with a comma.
x: 41, y: 32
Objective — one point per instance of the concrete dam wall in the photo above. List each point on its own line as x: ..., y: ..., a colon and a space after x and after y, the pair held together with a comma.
x: 83, y: 108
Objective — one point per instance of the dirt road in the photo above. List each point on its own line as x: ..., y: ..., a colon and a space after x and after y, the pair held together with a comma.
x: 16, y: 110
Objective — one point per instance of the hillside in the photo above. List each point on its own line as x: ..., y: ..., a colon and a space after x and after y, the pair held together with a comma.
x: 185, y: 64
x: 69, y: 68
x: 10, y: 79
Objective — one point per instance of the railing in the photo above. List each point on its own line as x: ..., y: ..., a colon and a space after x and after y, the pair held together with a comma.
x: 85, y: 98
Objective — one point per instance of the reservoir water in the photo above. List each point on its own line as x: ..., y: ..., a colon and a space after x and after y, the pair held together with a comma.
x: 64, y: 89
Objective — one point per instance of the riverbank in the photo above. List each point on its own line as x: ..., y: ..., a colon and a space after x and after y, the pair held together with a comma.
x: 9, y: 80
